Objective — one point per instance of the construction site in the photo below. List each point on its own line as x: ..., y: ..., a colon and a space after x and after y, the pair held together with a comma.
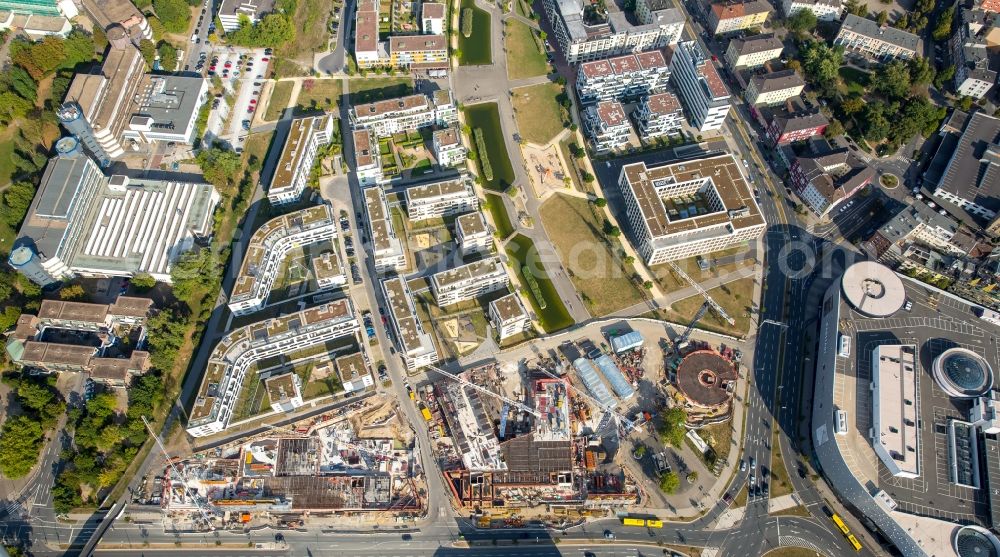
x: 360, y: 462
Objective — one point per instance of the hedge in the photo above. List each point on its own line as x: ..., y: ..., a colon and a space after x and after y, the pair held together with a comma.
x: 536, y: 290
x: 484, y: 159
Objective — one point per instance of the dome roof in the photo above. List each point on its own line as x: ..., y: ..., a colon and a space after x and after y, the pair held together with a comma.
x: 962, y: 373
x: 974, y: 541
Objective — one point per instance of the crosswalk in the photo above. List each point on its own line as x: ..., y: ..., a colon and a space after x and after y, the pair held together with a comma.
x: 12, y: 508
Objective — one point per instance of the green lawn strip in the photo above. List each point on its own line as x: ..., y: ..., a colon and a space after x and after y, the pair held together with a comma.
x: 276, y: 104
x: 525, y: 52
x: 539, y: 116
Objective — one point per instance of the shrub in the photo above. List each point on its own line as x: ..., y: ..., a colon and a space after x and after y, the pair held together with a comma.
x: 484, y: 160
x: 466, y: 23
x: 536, y: 290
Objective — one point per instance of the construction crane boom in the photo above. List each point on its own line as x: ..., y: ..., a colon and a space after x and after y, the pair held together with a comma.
x: 682, y: 338
x: 483, y: 390
x: 177, y: 473
x: 722, y: 313
x: 630, y: 425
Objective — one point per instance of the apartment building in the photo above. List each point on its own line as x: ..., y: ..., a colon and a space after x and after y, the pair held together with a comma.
x: 753, y: 52
x: 622, y: 77
x: 824, y: 10
x: 702, y: 92
x: 508, y: 316
x: 415, y: 344
x: 354, y: 374
x: 606, y: 125
x: 367, y: 159
x: 791, y: 122
x: 291, y: 175
x: 736, y: 15
x: 441, y: 199
x: 828, y: 175
x: 468, y: 282
x: 432, y: 18
x: 588, y: 31
x: 267, y: 250
x: 689, y: 207
x: 231, y: 10
x: 658, y: 115
x: 970, y: 182
x: 387, y: 249
x: 83, y: 223
x: 973, y: 76
x: 328, y: 270
x: 366, y: 45
x: 448, y: 148
x: 418, y: 52
x: 921, y: 224
x: 384, y: 118
x: 472, y: 234
x: 865, y: 37
x: 773, y: 88
x: 284, y: 391
x: 240, y: 349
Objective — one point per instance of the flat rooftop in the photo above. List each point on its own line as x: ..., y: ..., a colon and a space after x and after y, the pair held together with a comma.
x: 364, y: 149
x: 388, y: 106
x: 295, y: 150
x: 413, y: 337
x: 470, y: 272
x: 351, y: 367
x: 169, y: 100
x: 664, y: 103
x: 281, y: 388
x: 327, y: 266
x: 471, y: 224
x: 509, y: 307
x: 896, y: 407
x: 429, y: 193
x: 380, y: 222
x: 416, y: 43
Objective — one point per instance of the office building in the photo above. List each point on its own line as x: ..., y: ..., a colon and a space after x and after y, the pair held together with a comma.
x: 36, y: 27
x: 239, y: 350
x: 508, y: 316
x: 267, y: 250
x: 441, y: 199
x: 328, y: 270
x: 590, y: 32
x: 658, y: 115
x: 432, y: 18
x: 970, y: 183
x: 621, y: 78
x: 970, y: 53
x: 367, y: 159
x: 753, y: 52
x: 702, y: 92
x: 387, y: 249
x: 689, y: 207
x: 418, y: 52
x: 471, y: 233
x: 291, y: 175
x: 415, y: 344
x: 83, y: 223
x: 827, y: 175
x: 866, y: 37
x: 123, y: 14
x: 284, y: 391
x: 231, y: 10
x: 773, y: 88
x: 736, y: 15
x: 384, y: 118
x: 448, y: 148
x: 606, y: 125
x: 824, y: 10
x: 918, y: 223
x: 468, y: 282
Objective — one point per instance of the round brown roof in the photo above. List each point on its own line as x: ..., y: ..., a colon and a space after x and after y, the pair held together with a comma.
x: 703, y: 375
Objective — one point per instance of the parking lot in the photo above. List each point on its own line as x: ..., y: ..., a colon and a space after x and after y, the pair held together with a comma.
x: 242, y: 72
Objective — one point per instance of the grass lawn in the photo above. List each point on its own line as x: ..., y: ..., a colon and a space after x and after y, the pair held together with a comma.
x: 311, y: 30
x: 525, y: 53
x: 314, y: 388
x: 6, y: 150
x: 855, y: 80
x: 601, y: 278
x: 370, y: 89
x: 523, y: 254
x: 797, y: 510
x: 733, y: 297
x: 669, y: 281
x: 741, y: 498
x: 475, y: 50
x: 780, y: 484
x: 494, y: 205
x: 276, y: 104
x: 539, y: 116
x: 319, y: 94
x: 719, y: 437
x: 257, y: 145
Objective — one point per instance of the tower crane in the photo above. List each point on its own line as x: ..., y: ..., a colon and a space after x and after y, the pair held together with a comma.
x: 708, y: 299
x: 177, y: 473
x: 682, y: 338
x: 483, y: 390
x: 629, y: 424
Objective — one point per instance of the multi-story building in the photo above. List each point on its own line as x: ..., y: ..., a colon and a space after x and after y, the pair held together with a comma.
x: 773, y: 88
x: 824, y: 10
x: 827, y: 175
x: 415, y: 344
x: 588, y: 31
x: 267, y: 250
x: 441, y: 199
x: 472, y: 234
x: 508, y: 316
x: 702, y: 92
x: 621, y: 78
x: 384, y: 118
x: 354, y: 374
x: 921, y: 224
x: 448, y: 148
x: 973, y: 76
x: 367, y: 159
x: 791, y: 122
x: 689, y: 207
x: 110, y: 14
x: 328, y: 270
x: 970, y: 182
x: 387, y: 249
x: 868, y: 38
x: 284, y: 391
x: 35, y: 27
x: 291, y: 175
x: 366, y: 44
x: 432, y: 18
x: 736, y: 15
x: 418, y: 52
x: 658, y: 114
x: 231, y: 10
x: 468, y: 282
x: 50, y: 8
x: 83, y: 223
x: 606, y: 125
x: 239, y: 350
x: 753, y: 52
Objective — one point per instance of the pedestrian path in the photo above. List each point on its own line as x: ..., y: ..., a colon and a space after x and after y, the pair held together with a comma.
x: 782, y: 503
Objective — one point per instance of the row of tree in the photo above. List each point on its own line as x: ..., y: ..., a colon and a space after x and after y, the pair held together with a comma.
x: 22, y: 435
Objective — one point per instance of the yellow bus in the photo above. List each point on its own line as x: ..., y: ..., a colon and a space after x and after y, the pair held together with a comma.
x: 854, y: 542
x: 840, y: 524
x: 629, y: 521
x: 654, y: 523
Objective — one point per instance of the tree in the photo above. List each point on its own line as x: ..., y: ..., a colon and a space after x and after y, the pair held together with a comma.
x: 143, y: 281
x: 148, y: 51
x: 874, y: 124
x: 882, y: 18
x: 168, y: 57
x: 174, y: 14
x: 9, y: 317
x: 195, y: 268
x: 20, y: 443
x: 72, y: 292
x: 942, y: 30
x: 802, y: 21
x: 852, y: 105
x: 672, y: 430
x: 692, y: 477
x: 944, y: 76
x: 669, y: 482
x: 821, y: 62
x: 273, y: 31
x: 21, y: 82
x: 921, y: 70
x: 601, y: 202
x: 156, y: 27
x: 964, y: 103
x: 856, y: 7
x: 221, y: 168
x: 892, y: 80
x: 834, y: 129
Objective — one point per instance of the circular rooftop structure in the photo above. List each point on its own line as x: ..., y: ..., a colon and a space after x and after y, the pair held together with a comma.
x: 873, y: 289
x: 962, y: 373
x: 704, y: 377
x: 976, y: 541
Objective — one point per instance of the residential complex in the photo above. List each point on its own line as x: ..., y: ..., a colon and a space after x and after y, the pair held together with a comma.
x: 284, y: 391
x: 415, y: 52
x: 432, y: 18
x: 254, y: 10
x: 415, y: 343
x: 606, y: 125
x: 827, y: 175
x: 418, y: 52
x: 448, y: 148
x: 736, y: 15
x: 83, y: 223
x: 866, y: 37
x: 702, y: 92
x: 367, y: 53
x: 291, y: 175
x: 773, y: 88
x: 622, y: 78
x: 753, y: 52
x: 387, y: 249
x: 590, y: 32
x: 384, y: 118
x: 353, y: 372
x: 689, y: 207
x: 970, y: 182
x: 328, y: 270
x: 468, y: 281
x: 367, y: 159
x: 791, y: 122
x: 508, y: 316
x: 267, y: 250
x: 824, y: 10
x: 658, y: 115
x: 441, y: 199
x: 971, y: 54
x: 472, y: 234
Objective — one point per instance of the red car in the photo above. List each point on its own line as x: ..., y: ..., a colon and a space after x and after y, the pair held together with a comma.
x: 264, y: 59
x: 253, y: 101
x: 229, y: 64
x: 250, y: 109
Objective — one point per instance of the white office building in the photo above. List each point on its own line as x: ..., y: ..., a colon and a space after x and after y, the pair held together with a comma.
x: 291, y: 176
x: 387, y: 249
x: 231, y: 10
x: 702, y: 92
x: 441, y: 199
x: 415, y: 344
x: 508, y: 316
x: 468, y: 282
